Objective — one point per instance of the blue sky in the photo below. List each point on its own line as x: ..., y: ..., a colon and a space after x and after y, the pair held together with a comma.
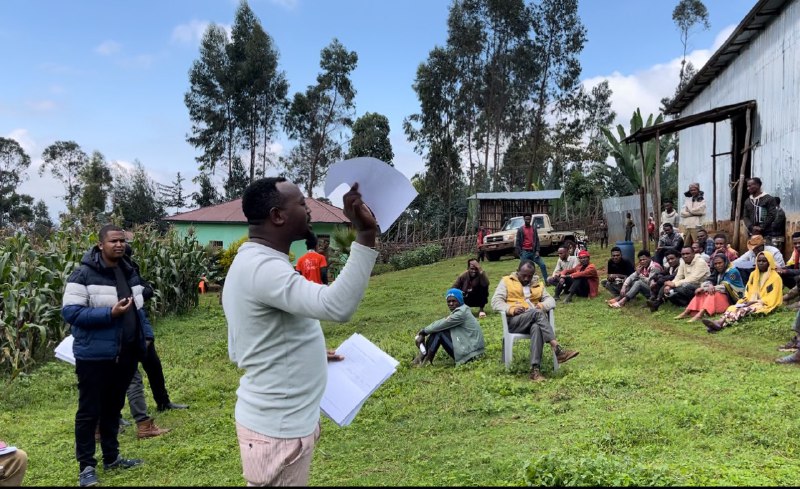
x: 111, y: 75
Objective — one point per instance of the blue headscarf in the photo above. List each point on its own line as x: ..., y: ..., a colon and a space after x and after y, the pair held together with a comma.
x: 459, y: 296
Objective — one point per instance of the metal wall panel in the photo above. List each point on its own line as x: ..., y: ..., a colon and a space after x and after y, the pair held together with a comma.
x: 615, y: 208
x: 767, y: 71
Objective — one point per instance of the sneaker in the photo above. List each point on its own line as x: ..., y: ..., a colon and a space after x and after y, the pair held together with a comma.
x: 172, y: 405
x: 790, y: 346
x: 793, y: 358
x: 653, y: 305
x: 566, y: 355
x: 123, y: 463
x: 536, y: 375
x: 88, y: 477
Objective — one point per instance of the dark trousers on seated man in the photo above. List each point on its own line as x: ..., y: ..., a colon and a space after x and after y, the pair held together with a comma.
x: 613, y: 286
x: 681, y: 295
x: 477, y: 297
x: 439, y: 339
x: 574, y: 286
x: 536, y: 323
x: 101, y: 395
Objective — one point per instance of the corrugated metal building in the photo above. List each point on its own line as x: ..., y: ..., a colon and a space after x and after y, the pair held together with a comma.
x: 759, y: 62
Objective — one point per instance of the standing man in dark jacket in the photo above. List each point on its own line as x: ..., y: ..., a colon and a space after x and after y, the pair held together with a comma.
x: 527, y: 244
x: 104, y: 304
x: 759, y: 210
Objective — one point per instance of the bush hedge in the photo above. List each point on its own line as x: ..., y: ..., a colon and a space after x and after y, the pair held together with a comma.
x: 424, y: 255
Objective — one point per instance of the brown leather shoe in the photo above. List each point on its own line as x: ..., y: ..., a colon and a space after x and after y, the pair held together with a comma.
x: 566, y: 355
x: 537, y: 376
x: 148, y: 429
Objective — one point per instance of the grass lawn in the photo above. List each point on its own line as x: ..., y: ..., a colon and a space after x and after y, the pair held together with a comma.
x: 650, y: 400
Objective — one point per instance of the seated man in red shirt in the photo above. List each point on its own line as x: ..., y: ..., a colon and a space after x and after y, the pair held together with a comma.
x: 582, y: 280
x: 313, y: 265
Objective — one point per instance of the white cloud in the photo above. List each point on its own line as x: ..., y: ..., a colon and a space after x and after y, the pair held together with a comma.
x: 645, y: 89
x: 287, y: 4
x: 138, y: 62
x: 107, y: 48
x: 42, y: 105
x: 191, y: 33
x: 23, y: 137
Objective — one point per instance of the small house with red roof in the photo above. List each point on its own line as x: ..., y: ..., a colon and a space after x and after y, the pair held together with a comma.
x: 222, y: 224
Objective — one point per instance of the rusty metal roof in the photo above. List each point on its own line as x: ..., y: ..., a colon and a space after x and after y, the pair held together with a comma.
x: 231, y: 212
x: 532, y: 195
x: 759, y: 17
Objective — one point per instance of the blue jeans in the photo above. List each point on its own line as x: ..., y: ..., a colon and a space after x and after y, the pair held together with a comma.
x: 530, y: 255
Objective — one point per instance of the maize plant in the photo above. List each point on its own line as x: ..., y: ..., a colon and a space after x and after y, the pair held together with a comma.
x: 32, y: 279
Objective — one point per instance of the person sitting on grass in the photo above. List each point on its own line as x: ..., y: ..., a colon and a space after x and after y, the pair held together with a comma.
x: 639, y: 281
x: 699, y: 252
x: 723, y: 288
x: 474, y: 284
x: 526, y: 303
x: 618, y: 269
x: 792, y: 346
x: 692, y: 272
x: 721, y: 246
x: 459, y: 333
x: 764, y: 292
x: 565, y: 261
x: 668, y: 273
x: 747, y: 262
x: 582, y: 280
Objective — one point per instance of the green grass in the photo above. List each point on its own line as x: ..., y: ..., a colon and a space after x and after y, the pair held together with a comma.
x: 647, y: 395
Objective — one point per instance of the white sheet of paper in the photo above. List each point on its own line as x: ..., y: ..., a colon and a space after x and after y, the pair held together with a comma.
x: 64, y: 350
x: 350, y: 382
x: 383, y: 188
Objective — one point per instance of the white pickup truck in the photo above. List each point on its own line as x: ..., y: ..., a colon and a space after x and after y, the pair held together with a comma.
x: 503, y: 242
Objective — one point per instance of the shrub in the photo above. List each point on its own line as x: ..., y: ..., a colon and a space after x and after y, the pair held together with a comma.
x: 227, y: 256
x: 380, y: 268
x: 593, y: 470
x: 424, y: 255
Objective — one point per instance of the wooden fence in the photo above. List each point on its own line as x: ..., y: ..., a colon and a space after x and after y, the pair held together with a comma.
x: 452, y: 246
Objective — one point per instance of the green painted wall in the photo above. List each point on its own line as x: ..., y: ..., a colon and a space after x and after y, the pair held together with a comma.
x: 228, y: 233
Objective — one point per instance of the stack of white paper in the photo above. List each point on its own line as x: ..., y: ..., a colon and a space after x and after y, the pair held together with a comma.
x: 64, y: 350
x: 351, y: 381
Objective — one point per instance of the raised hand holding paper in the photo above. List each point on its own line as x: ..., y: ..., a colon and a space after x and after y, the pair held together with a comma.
x: 383, y: 188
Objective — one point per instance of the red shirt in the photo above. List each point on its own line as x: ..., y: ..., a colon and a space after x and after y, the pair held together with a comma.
x: 310, y: 264
x: 527, y: 237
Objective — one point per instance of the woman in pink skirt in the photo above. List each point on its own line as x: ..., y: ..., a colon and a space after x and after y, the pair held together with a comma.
x: 723, y: 288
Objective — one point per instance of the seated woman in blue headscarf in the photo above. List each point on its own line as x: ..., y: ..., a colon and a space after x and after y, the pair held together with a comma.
x: 723, y: 288
x: 459, y: 333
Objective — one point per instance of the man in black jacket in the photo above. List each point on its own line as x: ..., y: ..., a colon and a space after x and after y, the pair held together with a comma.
x: 103, y: 303
x: 759, y: 210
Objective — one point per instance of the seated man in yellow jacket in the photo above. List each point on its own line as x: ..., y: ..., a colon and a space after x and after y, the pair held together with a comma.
x: 523, y: 298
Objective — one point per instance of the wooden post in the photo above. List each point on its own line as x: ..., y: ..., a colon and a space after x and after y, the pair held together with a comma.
x: 740, y: 193
x: 643, y: 202
x: 714, y: 175
x: 657, y: 189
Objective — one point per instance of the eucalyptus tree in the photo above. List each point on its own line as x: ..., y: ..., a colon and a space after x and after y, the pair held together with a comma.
x: 14, y: 163
x: 135, y: 198
x: 173, y: 195
x: 207, y: 195
x: 210, y: 101
x: 319, y: 117
x: 558, y: 39
x: 371, y: 138
x: 96, y: 181
x: 65, y: 160
x: 686, y: 15
x: 259, y: 87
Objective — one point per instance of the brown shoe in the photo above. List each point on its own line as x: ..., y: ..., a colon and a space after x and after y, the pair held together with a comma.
x: 790, y: 346
x: 148, y: 429
x: 566, y: 355
x: 537, y: 376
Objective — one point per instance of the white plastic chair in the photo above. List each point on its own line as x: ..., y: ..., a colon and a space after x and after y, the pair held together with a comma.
x: 510, y: 338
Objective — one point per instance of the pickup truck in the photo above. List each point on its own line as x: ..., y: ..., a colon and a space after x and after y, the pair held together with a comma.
x: 502, y: 242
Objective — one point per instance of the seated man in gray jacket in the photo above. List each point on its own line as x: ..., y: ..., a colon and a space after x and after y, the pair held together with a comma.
x: 459, y: 333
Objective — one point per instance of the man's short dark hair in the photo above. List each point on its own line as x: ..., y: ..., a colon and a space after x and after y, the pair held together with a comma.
x: 721, y: 235
x: 259, y: 197
x: 643, y: 253
x: 667, y: 202
x: 674, y: 252
x: 778, y: 201
x: 311, y: 242
x: 470, y: 260
x: 526, y: 263
x: 796, y: 235
x: 756, y: 180
x: 616, y: 248
x: 668, y: 224
x: 108, y: 228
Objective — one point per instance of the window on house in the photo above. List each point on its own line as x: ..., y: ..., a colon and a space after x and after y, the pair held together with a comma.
x: 215, y: 244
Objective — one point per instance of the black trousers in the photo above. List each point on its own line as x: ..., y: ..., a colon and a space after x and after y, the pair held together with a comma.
x: 477, y: 297
x: 435, y: 340
x: 101, y: 395
x: 575, y: 286
x: 155, y: 375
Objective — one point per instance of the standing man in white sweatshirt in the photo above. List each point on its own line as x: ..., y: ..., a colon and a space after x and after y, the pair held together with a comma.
x: 274, y: 333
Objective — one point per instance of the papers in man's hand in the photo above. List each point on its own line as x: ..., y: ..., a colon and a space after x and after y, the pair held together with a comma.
x: 383, y: 188
x: 7, y: 450
x: 351, y: 381
x: 64, y: 350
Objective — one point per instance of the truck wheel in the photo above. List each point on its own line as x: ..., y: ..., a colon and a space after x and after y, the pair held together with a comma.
x: 492, y: 256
